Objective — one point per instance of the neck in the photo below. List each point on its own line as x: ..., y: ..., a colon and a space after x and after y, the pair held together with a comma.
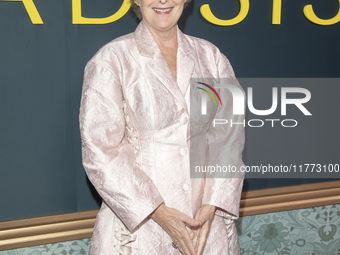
x: 164, y: 39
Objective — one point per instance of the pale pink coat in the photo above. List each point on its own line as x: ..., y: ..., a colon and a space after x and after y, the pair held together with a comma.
x: 134, y: 125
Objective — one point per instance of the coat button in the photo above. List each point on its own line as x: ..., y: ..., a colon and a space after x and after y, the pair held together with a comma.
x: 183, y: 151
x: 186, y: 186
x: 183, y: 120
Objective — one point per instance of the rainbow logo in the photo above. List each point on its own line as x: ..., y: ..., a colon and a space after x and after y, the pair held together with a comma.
x: 209, y: 93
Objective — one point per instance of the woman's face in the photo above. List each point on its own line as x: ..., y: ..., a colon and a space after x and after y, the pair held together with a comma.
x: 161, y: 15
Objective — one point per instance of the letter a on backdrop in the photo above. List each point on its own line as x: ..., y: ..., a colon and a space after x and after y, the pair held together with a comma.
x: 31, y: 10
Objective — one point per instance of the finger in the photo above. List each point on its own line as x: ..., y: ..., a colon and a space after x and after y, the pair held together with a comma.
x: 180, y: 249
x: 201, y: 239
x: 187, y: 243
x: 190, y: 222
x: 195, y: 242
x: 193, y: 237
x: 185, y: 247
x: 197, y: 214
x: 192, y: 234
x: 202, y: 215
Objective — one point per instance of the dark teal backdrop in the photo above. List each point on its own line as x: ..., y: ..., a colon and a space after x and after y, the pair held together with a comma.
x: 41, y: 70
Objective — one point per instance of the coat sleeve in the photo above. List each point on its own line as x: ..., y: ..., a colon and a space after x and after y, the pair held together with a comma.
x: 226, y: 144
x: 108, y: 158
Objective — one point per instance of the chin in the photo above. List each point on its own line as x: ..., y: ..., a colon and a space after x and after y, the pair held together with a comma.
x: 163, y: 25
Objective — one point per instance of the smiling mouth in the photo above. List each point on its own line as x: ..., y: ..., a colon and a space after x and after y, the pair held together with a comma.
x: 167, y: 10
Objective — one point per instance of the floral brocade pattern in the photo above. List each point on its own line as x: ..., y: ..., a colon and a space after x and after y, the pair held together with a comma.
x: 77, y: 247
x: 311, y: 231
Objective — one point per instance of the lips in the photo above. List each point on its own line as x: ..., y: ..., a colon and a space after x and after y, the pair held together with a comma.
x: 163, y: 10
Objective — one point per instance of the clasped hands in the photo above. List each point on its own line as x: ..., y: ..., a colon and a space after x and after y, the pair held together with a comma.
x: 174, y: 223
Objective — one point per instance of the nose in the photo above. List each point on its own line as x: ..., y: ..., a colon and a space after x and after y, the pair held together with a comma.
x: 163, y: 1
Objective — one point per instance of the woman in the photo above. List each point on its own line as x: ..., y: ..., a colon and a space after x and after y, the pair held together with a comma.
x: 134, y: 123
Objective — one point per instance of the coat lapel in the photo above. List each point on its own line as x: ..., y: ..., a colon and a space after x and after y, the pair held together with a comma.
x: 157, y: 65
x: 185, y: 62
